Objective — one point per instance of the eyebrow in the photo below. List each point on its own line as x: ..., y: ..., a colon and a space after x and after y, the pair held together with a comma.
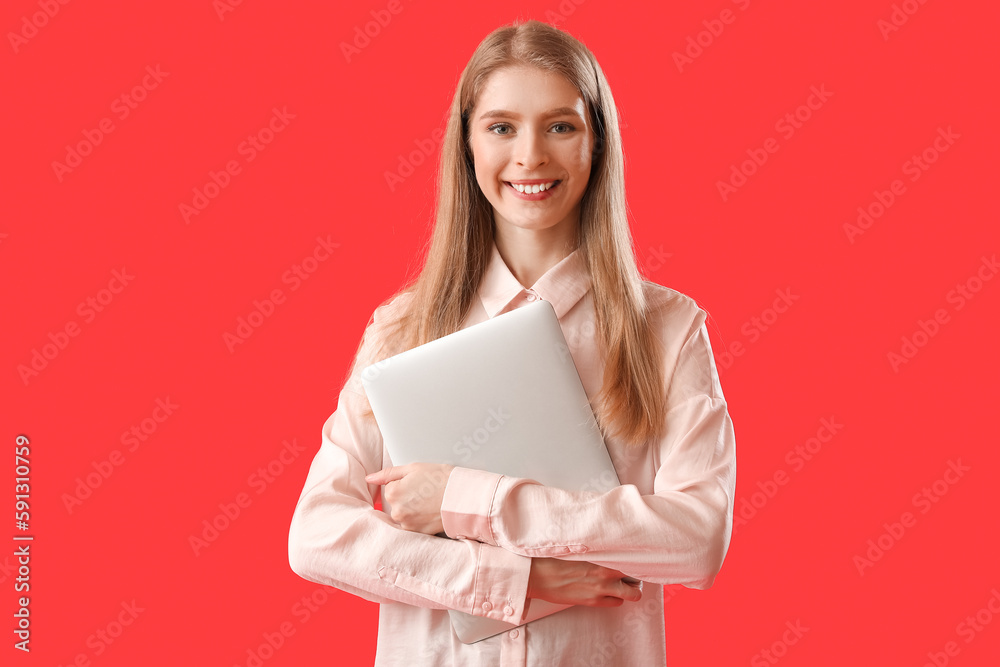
x: 503, y: 113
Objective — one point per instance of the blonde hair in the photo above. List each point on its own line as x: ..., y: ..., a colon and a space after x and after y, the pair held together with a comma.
x: 632, y: 400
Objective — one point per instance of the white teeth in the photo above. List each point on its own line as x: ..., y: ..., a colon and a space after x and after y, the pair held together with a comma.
x: 533, y: 189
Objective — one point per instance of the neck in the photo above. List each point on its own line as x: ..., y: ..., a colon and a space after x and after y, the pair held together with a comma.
x: 529, y: 253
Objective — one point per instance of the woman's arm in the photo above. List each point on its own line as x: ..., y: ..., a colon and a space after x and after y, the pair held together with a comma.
x: 338, y: 538
x: 679, y: 534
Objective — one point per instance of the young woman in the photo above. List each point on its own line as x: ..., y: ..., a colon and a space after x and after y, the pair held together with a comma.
x: 531, y: 205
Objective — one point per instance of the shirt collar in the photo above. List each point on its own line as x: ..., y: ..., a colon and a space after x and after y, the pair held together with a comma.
x: 563, y: 285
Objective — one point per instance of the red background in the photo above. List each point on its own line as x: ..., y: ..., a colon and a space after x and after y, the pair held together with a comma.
x: 324, y: 175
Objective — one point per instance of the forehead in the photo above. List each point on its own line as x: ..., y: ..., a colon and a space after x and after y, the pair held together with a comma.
x: 526, y: 89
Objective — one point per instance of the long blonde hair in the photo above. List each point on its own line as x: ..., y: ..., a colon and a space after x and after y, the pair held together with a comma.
x: 632, y: 399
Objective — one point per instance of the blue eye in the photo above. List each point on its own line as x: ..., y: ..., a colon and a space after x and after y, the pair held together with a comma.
x: 569, y: 128
x: 499, y: 126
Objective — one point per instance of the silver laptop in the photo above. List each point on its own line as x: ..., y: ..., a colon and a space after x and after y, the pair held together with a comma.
x: 503, y: 395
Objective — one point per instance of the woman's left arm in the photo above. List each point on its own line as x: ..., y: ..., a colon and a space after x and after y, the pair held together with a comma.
x: 679, y: 534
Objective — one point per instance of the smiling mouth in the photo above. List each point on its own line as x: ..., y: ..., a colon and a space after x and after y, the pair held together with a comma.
x: 533, y: 188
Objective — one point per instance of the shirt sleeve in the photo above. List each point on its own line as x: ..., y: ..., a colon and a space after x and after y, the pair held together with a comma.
x: 679, y: 534
x: 339, y: 539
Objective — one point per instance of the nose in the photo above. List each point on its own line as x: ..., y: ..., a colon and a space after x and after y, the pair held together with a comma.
x: 530, y: 151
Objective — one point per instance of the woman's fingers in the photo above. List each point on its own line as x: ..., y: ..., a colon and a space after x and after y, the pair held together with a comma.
x: 617, y: 590
x: 630, y: 592
x: 580, y: 582
x: 386, y: 475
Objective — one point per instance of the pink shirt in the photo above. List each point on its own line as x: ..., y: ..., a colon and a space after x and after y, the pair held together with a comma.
x: 669, y: 522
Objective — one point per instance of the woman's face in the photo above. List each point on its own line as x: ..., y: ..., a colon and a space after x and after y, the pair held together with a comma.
x: 530, y: 130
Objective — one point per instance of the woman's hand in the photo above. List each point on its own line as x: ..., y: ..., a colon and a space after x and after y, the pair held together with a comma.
x: 414, y: 492
x: 579, y: 582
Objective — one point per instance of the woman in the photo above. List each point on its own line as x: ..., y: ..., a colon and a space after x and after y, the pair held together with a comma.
x: 531, y: 192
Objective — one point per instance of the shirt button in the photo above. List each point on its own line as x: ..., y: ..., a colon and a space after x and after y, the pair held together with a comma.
x: 531, y: 296
x: 513, y: 634
x: 508, y: 610
x: 487, y: 606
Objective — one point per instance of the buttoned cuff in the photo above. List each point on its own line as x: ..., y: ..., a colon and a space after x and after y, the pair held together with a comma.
x: 501, y: 584
x: 468, y: 500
